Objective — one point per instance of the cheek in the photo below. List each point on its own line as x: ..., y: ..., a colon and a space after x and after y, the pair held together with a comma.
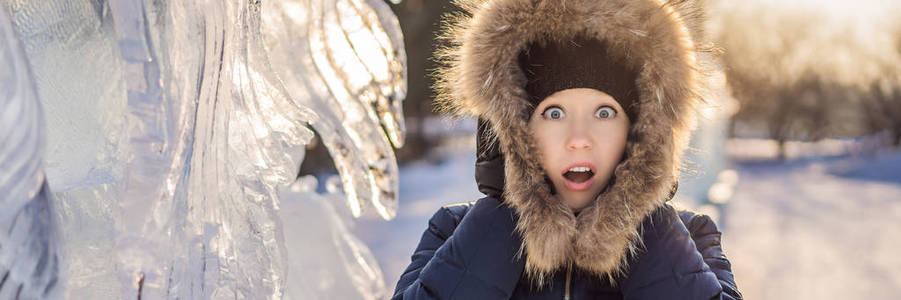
x: 546, y: 137
x: 612, y: 142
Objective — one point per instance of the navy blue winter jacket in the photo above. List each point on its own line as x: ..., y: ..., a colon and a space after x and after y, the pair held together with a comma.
x: 469, y: 252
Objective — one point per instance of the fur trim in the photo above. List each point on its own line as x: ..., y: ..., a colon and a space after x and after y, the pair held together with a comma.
x: 481, y: 78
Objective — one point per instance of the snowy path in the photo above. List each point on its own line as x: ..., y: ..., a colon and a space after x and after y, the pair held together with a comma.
x: 822, y: 229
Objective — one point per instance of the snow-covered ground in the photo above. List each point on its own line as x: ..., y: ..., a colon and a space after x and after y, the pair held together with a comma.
x: 821, y: 227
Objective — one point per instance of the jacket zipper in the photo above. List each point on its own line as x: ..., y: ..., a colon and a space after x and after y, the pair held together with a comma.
x: 569, y: 273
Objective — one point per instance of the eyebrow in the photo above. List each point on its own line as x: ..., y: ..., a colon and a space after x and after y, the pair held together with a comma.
x: 609, y: 101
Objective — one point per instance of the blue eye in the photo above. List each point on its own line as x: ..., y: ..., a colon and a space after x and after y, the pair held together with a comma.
x: 605, y: 112
x: 553, y: 113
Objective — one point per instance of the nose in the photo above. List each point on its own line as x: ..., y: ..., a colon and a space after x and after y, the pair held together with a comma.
x: 578, y: 138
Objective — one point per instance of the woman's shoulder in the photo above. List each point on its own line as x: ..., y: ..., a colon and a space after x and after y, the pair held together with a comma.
x: 457, y: 210
x: 446, y: 218
x: 698, y: 224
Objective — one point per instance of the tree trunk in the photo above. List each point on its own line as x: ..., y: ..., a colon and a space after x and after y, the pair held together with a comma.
x: 897, y: 140
x: 781, y: 149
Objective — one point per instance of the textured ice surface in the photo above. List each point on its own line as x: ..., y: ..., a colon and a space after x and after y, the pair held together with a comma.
x: 171, y: 127
x: 29, y: 263
x: 355, y: 48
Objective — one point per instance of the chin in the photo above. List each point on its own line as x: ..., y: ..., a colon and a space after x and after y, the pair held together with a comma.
x: 578, y: 205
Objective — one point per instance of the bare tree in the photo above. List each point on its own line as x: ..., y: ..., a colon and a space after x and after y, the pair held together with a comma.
x: 799, y: 73
x: 883, y: 110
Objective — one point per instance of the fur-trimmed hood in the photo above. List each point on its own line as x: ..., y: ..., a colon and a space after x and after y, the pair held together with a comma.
x: 481, y: 78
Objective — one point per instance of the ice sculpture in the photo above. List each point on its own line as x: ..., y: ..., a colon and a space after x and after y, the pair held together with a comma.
x: 172, y: 126
x: 355, y: 47
x: 28, y: 254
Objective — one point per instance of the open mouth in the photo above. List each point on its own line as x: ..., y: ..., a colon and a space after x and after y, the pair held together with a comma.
x: 578, y: 174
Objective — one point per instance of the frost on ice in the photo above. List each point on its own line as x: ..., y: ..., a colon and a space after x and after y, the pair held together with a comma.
x: 173, y: 133
x: 29, y: 264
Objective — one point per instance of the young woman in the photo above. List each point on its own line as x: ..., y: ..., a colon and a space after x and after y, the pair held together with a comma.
x: 584, y: 108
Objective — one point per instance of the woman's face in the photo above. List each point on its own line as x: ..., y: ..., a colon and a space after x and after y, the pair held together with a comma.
x: 581, y: 134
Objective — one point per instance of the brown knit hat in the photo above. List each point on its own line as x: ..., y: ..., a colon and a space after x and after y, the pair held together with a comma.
x: 577, y: 63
